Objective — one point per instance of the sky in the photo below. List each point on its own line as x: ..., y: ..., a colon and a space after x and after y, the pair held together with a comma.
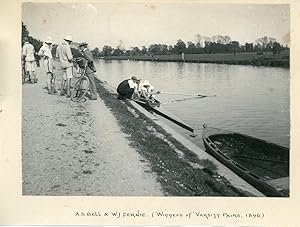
x: 138, y: 24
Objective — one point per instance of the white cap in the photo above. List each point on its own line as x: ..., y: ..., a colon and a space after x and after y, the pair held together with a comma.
x: 68, y: 38
x: 48, y: 40
x: 146, y: 83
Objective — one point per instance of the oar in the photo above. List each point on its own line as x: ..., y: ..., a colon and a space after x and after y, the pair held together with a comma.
x: 197, y: 95
x: 193, y: 97
x: 179, y: 100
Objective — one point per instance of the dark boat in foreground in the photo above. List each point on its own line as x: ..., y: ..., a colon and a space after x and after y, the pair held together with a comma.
x: 262, y: 164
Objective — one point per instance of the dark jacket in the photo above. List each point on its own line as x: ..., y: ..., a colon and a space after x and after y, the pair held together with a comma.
x: 88, y: 56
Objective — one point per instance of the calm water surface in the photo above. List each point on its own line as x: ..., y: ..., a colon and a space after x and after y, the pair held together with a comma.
x: 249, y: 100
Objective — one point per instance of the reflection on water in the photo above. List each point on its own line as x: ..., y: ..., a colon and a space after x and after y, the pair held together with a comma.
x: 250, y: 100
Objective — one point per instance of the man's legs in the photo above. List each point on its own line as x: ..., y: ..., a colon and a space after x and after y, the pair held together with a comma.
x: 28, y: 71
x: 34, y: 80
x: 63, y: 82
x: 93, y: 89
x: 62, y: 87
x: 49, y: 78
x: 53, y: 83
x: 33, y: 77
x: 69, y: 74
x: 68, y: 87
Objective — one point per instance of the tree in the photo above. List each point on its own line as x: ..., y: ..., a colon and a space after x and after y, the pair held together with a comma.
x: 164, y: 49
x: 276, y: 48
x: 191, y: 48
x: 235, y: 46
x: 135, y: 51
x: 218, y: 39
x: 144, y: 50
x: 35, y: 42
x: 249, y: 47
x: 154, y: 49
x: 107, y: 50
x: 96, y: 53
x: 265, y: 42
x: 117, y: 52
x: 180, y: 47
x: 170, y: 49
x: 227, y: 39
x: 199, y: 39
x: 25, y: 32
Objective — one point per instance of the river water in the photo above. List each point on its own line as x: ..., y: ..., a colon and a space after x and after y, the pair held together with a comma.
x: 249, y: 100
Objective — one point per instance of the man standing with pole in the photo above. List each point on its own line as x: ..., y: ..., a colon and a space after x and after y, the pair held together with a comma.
x: 65, y: 56
x: 90, y: 70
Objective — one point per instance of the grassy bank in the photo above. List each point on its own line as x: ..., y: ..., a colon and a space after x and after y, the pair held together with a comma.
x: 179, y: 171
x: 244, y: 58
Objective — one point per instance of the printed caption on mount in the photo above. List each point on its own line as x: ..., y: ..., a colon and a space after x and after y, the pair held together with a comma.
x: 170, y: 215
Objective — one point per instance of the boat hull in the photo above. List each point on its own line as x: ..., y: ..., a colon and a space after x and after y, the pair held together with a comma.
x: 264, y: 165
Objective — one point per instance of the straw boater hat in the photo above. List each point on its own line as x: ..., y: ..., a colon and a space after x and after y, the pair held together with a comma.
x: 82, y: 44
x: 68, y: 38
x: 146, y: 83
x: 48, y: 40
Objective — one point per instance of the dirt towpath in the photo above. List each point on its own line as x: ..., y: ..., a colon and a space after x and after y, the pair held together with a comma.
x: 77, y: 148
x: 107, y: 147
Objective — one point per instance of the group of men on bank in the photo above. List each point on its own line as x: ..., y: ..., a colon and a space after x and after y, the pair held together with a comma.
x: 67, y: 62
x: 126, y: 89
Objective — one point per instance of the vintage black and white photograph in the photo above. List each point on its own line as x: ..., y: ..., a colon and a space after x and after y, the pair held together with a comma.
x: 155, y: 99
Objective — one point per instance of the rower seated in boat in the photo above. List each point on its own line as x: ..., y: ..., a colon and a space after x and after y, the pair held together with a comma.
x: 147, y: 91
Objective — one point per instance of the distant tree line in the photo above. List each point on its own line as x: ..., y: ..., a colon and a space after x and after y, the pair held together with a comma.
x: 202, y: 45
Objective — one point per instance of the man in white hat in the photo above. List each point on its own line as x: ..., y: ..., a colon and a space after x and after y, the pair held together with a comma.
x: 147, y: 91
x: 47, y: 59
x: 28, y: 56
x: 64, y: 53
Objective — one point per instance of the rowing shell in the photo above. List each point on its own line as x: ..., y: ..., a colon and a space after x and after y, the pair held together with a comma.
x: 155, y: 107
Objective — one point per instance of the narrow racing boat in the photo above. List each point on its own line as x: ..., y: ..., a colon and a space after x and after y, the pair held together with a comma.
x: 154, y: 106
x: 264, y: 165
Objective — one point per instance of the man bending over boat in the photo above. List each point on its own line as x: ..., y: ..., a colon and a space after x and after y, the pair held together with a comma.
x: 147, y: 91
x: 128, y: 87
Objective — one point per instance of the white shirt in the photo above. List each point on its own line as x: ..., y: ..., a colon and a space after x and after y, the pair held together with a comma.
x: 45, y: 51
x: 132, y: 84
x: 148, y: 89
x: 28, y: 51
x: 64, y: 53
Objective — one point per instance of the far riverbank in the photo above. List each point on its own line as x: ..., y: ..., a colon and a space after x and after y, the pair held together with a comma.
x: 244, y: 58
